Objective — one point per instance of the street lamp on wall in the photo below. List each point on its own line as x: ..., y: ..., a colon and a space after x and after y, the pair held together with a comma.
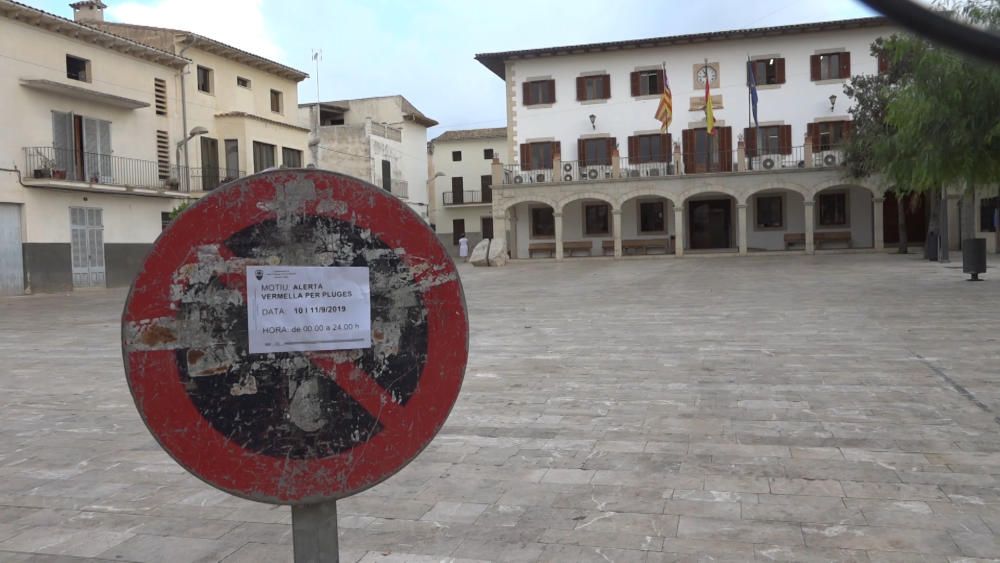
x: 195, y: 131
x: 593, y: 121
x: 833, y: 101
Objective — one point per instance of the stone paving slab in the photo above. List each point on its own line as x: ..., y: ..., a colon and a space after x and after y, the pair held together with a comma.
x: 828, y: 408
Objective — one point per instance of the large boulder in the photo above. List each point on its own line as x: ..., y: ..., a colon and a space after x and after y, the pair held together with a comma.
x: 489, y: 252
x: 479, y: 253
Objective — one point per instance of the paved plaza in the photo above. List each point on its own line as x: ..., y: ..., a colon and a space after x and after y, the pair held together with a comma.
x: 788, y: 408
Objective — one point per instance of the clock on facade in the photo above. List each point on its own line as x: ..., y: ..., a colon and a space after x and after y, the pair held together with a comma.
x: 706, y: 72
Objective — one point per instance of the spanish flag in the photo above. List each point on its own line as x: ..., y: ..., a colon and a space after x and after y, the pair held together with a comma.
x: 665, y: 111
x: 709, y: 116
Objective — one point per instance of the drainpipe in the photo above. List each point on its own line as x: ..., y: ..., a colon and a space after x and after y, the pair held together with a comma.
x: 184, y: 120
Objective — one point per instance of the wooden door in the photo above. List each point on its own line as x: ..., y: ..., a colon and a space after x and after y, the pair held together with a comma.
x: 710, y: 223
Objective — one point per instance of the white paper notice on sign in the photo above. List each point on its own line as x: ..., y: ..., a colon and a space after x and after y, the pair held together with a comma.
x: 308, y: 308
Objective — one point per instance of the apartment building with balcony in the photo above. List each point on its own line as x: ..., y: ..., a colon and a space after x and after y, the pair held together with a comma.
x: 587, y: 169
x: 462, y: 183
x: 82, y: 128
x: 382, y: 140
x: 244, y: 106
x: 108, y: 128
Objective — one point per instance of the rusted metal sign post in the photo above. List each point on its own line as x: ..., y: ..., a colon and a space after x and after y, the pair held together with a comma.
x: 294, y: 338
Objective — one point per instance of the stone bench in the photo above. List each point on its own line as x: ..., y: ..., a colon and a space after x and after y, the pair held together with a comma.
x: 640, y: 244
x: 569, y: 247
x: 819, y: 238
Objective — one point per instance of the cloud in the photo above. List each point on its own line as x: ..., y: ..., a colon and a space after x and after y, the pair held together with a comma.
x: 239, y: 23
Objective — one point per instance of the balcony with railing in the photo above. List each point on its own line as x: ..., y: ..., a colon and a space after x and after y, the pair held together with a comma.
x: 467, y: 197
x: 681, y: 164
x: 51, y: 166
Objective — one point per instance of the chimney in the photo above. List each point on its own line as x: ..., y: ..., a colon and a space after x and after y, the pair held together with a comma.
x: 88, y: 11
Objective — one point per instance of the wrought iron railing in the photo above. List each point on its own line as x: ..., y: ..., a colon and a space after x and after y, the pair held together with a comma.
x: 682, y: 164
x: 466, y: 197
x: 96, y: 168
x: 206, y: 179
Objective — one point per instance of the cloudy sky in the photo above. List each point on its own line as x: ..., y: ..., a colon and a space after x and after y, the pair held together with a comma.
x: 423, y: 49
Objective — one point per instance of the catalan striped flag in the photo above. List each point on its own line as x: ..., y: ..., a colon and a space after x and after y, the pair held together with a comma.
x: 665, y: 111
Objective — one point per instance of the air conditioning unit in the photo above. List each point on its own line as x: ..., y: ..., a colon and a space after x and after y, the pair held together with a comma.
x: 597, y: 172
x: 569, y: 171
x: 829, y: 158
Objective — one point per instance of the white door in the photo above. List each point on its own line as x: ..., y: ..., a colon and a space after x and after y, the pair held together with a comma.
x: 11, y: 264
x: 87, y: 227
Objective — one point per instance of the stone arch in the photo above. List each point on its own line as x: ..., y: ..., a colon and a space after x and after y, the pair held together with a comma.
x: 588, y: 195
x: 805, y: 192
x: 837, y: 182
x: 507, y: 204
x: 709, y: 189
x: 647, y: 191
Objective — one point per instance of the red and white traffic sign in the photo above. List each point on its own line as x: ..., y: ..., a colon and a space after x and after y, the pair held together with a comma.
x: 308, y: 422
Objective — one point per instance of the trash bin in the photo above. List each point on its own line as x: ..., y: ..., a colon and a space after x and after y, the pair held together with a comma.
x: 974, y: 257
x: 931, y: 247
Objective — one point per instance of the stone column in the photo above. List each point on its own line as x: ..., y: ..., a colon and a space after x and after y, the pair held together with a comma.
x: 878, y: 236
x: 501, y: 230
x: 616, y: 229
x: 741, y: 214
x: 616, y: 164
x: 810, y: 217
x: 497, y: 171
x: 679, y: 230
x: 559, y: 235
x: 741, y: 155
x: 557, y: 173
x: 678, y: 159
x: 807, y: 151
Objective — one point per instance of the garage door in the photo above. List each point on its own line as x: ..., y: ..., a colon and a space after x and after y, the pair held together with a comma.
x: 11, y: 265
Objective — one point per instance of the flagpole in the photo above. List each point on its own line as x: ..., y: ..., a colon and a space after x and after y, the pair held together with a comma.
x: 708, y: 134
x: 746, y: 142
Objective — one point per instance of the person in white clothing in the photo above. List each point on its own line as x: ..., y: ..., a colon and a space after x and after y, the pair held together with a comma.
x: 463, y: 248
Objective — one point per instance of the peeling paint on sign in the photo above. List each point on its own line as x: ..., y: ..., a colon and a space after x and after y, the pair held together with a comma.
x: 294, y: 427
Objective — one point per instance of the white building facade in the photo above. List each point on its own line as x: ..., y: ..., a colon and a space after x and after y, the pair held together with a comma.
x: 587, y: 170
x: 461, y: 183
x: 111, y: 128
x: 82, y: 129
x: 244, y: 106
x: 382, y: 140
